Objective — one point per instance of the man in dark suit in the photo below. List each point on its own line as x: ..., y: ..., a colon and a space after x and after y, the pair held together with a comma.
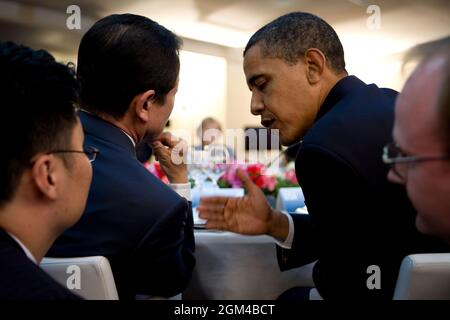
x: 359, y: 226
x: 128, y: 66
x: 45, y: 174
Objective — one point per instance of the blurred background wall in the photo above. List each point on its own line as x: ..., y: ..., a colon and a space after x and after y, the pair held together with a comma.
x: 375, y: 34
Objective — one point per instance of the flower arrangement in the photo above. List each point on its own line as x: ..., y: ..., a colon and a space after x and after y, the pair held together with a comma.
x: 268, y: 183
x: 157, y: 171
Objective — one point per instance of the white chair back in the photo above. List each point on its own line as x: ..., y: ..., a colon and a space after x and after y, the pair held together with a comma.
x: 314, y: 295
x: 89, y: 277
x: 424, y: 277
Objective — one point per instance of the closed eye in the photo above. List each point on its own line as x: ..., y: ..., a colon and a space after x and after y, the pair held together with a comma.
x: 260, y: 84
x: 258, y: 81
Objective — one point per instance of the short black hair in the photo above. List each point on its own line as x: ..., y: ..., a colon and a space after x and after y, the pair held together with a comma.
x: 290, y: 36
x: 38, y: 99
x: 123, y: 55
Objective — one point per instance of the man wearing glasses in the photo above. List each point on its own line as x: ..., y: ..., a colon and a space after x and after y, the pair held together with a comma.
x: 45, y: 173
x: 420, y: 155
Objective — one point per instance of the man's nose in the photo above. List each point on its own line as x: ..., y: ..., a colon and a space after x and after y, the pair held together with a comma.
x: 256, y: 104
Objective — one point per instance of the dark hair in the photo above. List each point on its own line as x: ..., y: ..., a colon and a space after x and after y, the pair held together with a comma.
x: 290, y: 36
x: 38, y: 100
x: 425, y: 50
x: 122, y: 56
x: 421, y: 54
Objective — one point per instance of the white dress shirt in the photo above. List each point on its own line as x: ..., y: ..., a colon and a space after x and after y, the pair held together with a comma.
x: 287, y: 244
x: 183, y: 189
x: 132, y: 141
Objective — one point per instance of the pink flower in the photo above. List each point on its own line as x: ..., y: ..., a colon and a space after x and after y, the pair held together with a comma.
x: 230, y: 176
x: 291, y: 176
x: 270, y: 182
x: 256, y: 172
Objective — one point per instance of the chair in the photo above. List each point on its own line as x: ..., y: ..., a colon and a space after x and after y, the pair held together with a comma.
x: 314, y: 295
x: 89, y: 277
x: 421, y: 277
x: 424, y: 277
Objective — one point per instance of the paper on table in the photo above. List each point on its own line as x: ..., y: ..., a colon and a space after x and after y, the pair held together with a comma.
x: 302, y: 210
x: 226, y: 192
x: 197, y: 220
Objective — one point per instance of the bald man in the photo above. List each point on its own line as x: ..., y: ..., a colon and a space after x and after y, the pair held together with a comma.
x: 420, y: 154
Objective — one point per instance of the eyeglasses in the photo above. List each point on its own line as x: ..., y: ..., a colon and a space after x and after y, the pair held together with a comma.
x: 393, y: 155
x: 90, y: 152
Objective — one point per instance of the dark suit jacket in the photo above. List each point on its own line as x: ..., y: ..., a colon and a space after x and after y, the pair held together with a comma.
x: 142, y: 226
x: 357, y: 217
x: 21, y: 279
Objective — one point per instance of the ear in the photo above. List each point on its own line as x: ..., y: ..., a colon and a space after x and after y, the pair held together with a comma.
x: 142, y: 104
x: 315, y: 62
x: 45, y: 175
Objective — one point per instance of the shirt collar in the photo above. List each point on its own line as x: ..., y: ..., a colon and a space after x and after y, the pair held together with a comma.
x: 132, y: 140
x: 97, y: 127
x: 25, y: 249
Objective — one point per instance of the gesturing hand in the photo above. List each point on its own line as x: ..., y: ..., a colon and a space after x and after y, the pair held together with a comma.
x: 250, y: 214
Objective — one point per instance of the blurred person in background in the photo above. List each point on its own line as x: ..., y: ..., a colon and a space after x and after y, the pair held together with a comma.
x: 210, y: 134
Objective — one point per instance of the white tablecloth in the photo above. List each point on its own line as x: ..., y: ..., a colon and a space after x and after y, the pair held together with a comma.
x: 232, y: 266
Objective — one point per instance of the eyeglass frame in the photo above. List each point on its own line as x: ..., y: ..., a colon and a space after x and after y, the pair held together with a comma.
x: 407, y: 158
x: 87, y: 151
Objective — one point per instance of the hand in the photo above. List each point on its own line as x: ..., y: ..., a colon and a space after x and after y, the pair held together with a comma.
x: 171, y: 152
x: 250, y: 214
